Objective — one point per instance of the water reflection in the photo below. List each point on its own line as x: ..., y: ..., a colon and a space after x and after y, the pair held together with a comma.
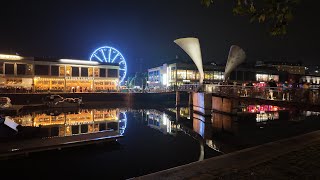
x: 255, y: 124
x: 190, y: 136
x: 252, y: 125
x: 75, y: 122
x: 161, y: 121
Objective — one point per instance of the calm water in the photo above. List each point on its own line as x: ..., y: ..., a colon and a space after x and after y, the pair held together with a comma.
x: 153, y: 139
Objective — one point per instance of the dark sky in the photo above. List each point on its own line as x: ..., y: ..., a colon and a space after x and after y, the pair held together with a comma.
x: 144, y: 30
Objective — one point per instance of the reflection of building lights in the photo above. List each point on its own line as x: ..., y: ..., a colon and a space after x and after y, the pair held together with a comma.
x: 261, y: 108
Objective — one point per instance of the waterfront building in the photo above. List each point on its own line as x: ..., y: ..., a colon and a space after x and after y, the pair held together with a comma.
x: 291, y: 68
x: 34, y: 74
x: 178, y: 73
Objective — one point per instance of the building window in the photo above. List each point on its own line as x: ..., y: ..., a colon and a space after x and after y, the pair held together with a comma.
x: 218, y: 75
x: 54, y: 70
x: 62, y: 71
x: 41, y: 70
x: 112, y: 72
x: 9, y: 69
x: 84, y: 72
x: 68, y: 70
x: 1, y: 67
x: 208, y: 75
x: 191, y: 74
x: 90, y: 72
x: 75, y: 72
x: 102, y: 72
x: 29, y: 69
x: 96, y: 72
x: 181, y: 74
x: 21, y: 69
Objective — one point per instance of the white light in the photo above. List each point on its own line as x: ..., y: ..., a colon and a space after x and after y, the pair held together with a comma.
x: 79, y: 61
x: 164, y: 80
x: 164, y: 119
x: 10, y: 57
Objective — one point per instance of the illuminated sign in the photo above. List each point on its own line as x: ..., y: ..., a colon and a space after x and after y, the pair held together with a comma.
x: 10, y: 57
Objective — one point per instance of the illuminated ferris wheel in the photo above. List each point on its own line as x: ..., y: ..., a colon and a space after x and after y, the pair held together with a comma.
x: 111, y: 55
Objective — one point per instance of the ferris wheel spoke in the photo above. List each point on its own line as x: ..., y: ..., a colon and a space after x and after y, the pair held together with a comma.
x: 95, y: 55
x: 111, y: 55
x: 115, y: 57
x: 109, y: 58
x: 104, y: 57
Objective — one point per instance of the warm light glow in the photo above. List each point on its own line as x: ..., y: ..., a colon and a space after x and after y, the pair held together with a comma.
x: 74, y: 61
x: 10, y: 57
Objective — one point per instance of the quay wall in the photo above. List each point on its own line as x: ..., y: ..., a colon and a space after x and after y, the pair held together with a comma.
x: 121, y: 98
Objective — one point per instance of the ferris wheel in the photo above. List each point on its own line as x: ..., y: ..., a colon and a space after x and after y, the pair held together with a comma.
x: 111, y: 55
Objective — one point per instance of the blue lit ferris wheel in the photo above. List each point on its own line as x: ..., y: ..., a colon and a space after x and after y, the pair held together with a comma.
x: 111, y: 55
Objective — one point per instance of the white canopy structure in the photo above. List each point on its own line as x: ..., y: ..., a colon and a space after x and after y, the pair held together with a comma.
x: 236, y: 56
x: 192, y: 47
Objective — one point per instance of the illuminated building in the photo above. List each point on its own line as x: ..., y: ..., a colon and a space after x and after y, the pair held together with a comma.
x: 291, y: 68
x: 32, y: 74
x: 179, y: 73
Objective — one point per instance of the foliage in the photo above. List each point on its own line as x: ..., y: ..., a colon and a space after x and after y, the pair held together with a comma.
x: 275, y: 13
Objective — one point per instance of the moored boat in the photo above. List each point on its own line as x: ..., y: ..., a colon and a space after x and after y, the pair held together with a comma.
x: 57, y: 101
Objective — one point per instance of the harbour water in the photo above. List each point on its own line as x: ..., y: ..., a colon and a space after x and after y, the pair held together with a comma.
x: 153, y: 139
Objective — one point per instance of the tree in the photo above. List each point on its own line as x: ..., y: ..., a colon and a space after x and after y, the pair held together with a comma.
x: 276, y: 14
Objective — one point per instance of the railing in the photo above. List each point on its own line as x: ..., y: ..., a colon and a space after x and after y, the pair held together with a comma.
x: 277, y: 93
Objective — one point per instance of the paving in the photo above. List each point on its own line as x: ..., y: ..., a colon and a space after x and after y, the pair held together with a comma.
x: 293, y: 158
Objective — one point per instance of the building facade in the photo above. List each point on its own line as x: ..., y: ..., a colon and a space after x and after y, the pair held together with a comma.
x: 179, y: 74
x: 32, y: 74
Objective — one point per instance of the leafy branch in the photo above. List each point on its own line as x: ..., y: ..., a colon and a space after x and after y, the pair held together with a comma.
x: 276, y: 14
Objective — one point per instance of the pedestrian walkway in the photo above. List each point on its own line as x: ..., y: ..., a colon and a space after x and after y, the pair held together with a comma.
x: 294, y: 158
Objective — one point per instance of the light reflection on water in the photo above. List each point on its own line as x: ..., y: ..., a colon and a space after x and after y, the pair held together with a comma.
x: 75, y: 122
x: 216, y: 131
x: 173, y: 138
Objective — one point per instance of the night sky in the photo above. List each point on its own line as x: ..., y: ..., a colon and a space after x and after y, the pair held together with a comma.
x: 144, y: 30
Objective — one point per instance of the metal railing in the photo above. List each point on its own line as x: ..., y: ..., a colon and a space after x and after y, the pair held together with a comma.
x: 271, y: 93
